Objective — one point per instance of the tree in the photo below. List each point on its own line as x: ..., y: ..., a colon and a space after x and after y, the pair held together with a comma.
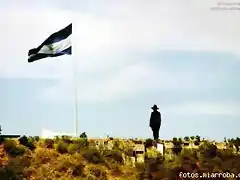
x: 186, y: 138
x: 83, y: 135
x: 198, y: 138
x: 225, y: 139
x: 0, y: 129
x: 208, y: 149
x: 192, y: 138
x: 177, y: 145
x: 236, y: 143
x: 174, y: 139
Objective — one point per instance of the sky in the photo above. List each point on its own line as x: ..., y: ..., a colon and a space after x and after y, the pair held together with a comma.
x: 128, y: 55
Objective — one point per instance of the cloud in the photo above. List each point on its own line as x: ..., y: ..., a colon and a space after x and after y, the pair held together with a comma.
x: 205, y: 108
x: 104, y: 34
x: 127, y: 82
x: 108, y: 30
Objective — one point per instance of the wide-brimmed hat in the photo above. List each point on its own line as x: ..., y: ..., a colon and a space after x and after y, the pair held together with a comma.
x: 154, y: 107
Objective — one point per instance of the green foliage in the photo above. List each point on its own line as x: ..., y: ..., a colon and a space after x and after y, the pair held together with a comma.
x: 114, y: 156
x: 36, y: 138
x: 7, y: 173
x: 49, y: 143
x: 73, y: 148
x: 128, y: 151
x: 1, y: 139
x: 236, y: 143
x: 186, y: 138
x: 23, y: 140
x: 174, y: 139
x: 83, y: 135
x: 208, y: 149
x: 27, y: 142
x: 67, y: 139
x: 61, y: 147
x: 198, y: 138
x: 11, y: 147
x: 180, y: 140
x: 92, y: 155
x: 97, y: 173
x: 82, y: 142
x: 149, y: 143
x: 118, y: 145
x: 63, y: 163
x: 225, y: 154
x: 192, y: 137
x: 177, y: 146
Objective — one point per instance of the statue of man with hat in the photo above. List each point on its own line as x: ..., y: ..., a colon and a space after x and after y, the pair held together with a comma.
x: 155, y: 122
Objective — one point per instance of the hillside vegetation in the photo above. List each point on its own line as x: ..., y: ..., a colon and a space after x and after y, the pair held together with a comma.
x: 32, y: 158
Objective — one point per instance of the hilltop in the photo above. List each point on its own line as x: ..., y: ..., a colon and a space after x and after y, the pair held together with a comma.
x: 66, y: 158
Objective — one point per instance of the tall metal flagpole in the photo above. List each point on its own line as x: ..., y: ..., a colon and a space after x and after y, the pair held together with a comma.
x: 75, y: 98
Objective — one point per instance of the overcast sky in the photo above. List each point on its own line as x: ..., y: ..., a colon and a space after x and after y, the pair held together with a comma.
x: 128, y: 55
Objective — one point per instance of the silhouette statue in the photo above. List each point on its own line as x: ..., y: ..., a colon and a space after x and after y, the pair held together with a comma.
x: 155, y: 122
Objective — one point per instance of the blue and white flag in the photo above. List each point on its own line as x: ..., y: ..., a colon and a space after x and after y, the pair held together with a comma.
x: 57, y: 44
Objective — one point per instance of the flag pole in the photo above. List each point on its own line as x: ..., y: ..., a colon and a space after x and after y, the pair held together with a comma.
x: 75, y: 99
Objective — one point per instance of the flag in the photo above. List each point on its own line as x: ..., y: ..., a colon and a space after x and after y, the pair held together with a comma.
x: 57, y: 44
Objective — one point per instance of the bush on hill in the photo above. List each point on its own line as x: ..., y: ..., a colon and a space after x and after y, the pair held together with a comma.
x: 61, y: 147
x: 11, y: 147
x: 92, y: 155
x: 82, y: 142
x: 114, y: 156
x: 76, y: 159
x: 49, y: 143
x: 27, y: 142
x: 73, y: 148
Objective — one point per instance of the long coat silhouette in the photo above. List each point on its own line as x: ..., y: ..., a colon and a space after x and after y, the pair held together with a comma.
x: 155, y: 122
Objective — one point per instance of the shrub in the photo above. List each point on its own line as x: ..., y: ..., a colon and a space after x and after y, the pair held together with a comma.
x: 3, y: 157
x: 177, y: 146
x: 153, y: 153
x: 36, y: 138
x: 18, y: 151
x: 115, y: 168
x: 23, y: 140
x: 1, y: 140
x: 140, y: 166
x: 128, y: 151
x: 72, y: 148
x: 77, y: 169
x: 65, y: 164
x: 31, y: 146
x: 208, y: 149
x: 27, y: 142
x: 92, y: 155
x: 176, y: 149
x: 82, y: 142
x: 118, y: 144
x: 12, y: 149
x: 7, y: 173
x: 97, y: 173
x: 9, y: 145
x: 83, y: 135
x: 62, y: 147
x: 225, y: 154
x: 48, y: 143
x: 148, y: 143
x: 67, y: 139
x: 114, y: 156
x: 186, y: 152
